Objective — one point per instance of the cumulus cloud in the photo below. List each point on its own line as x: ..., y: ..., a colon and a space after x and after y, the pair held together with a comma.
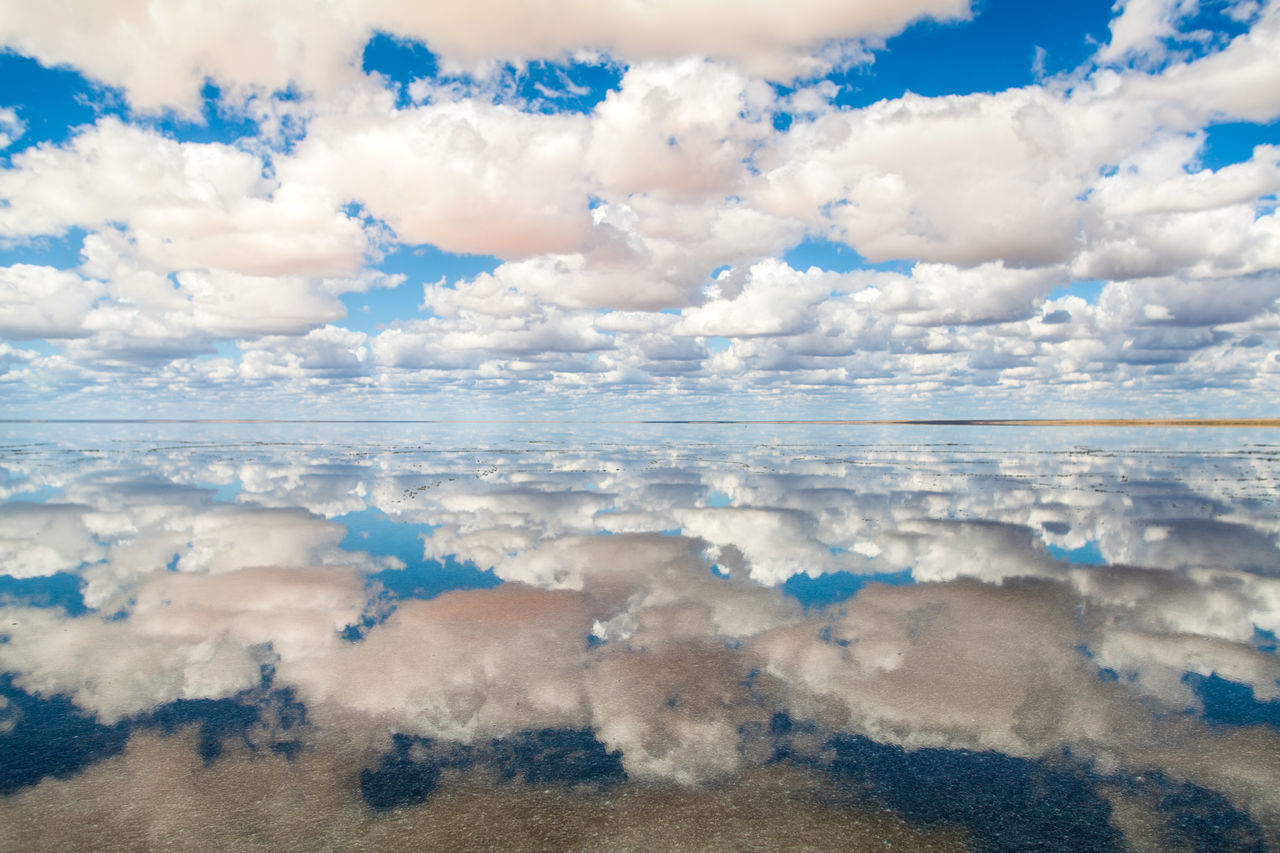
x: 1155, y: 216
x: 548, y: 340
x: 941, y: 294
x: 1237, y: 82
x: 185, y: 205
x: 678, y: 185
x: 11, y: 126
x: 681, y: 129
x: 773, y: 300
x: 43, y: 302
x: 186, y: 637
x: 464, y: 176
x: 1178, y: 302
x: 161, y: 55
x: 1142, y: 26
x: 329, y: 351
x: 936, y: 179
x: 187, y: 242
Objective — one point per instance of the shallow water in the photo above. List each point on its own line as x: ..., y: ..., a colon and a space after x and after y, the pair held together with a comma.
x: 680, y: 636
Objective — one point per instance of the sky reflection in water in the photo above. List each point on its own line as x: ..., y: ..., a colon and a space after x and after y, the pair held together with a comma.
x: 640, y: 635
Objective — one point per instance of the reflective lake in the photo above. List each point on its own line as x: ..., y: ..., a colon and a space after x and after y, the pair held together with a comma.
x: 638, y: 637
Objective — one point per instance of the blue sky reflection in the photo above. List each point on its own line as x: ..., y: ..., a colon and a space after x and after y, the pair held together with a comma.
x: 870, y: 612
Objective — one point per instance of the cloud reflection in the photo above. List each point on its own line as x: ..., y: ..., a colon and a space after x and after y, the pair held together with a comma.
x: 645, y: 600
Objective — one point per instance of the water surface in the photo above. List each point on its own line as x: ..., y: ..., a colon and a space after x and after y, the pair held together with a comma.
x: 679, y: 636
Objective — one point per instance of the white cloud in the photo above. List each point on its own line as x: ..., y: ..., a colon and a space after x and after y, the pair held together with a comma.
x: 43, y: 302
x: 183, y: 205
x: 1155, y: 216
x: 681, y: 129
x: 329, y: 351
x: 472, y: 340
x: 11, y: 127
x: 1176, y: 301
x: 1141, y: 27
x: 676, y: 191
x: 1239, y: 82
x: 941, y: 294
x: 774, y: 544
x: 161, y: 53
x: 770, y: 298
x: 464, y: 176
x: 963, y: 180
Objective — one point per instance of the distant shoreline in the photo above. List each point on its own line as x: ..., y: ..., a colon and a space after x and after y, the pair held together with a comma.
x: 1118, y: 422
x: 1036, y: 422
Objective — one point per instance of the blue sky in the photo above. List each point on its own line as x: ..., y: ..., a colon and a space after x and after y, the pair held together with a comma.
x: 929, y: 208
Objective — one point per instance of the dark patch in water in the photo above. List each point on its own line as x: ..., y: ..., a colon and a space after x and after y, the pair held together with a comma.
x: 558, y: 756
x: 1232, y: 703
x: 400, y: 780
x: 410, y: 773
x: 248, y: 715
x: 1009, y: 804
x: 50, y: 737
x: 1195, y: 818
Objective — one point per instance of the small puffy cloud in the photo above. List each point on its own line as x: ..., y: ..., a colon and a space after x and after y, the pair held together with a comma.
x: 43, y: 302
x: 234, y: 538
x: 1141, y: 27
x: 131, y: 313
x: 11, y: 126
x: 227, y: 304
x: 1179, y: 302
x: 774, y: 544
x: 941, y: 294
x: 769, y: 299
x: 1159, y: 179
x: 329, y: 351
x: 470, y: 339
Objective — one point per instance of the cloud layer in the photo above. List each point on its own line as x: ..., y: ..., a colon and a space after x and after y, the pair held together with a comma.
x: 1068, y: 241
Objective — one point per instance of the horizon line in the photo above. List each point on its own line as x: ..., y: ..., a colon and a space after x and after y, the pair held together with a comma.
x: 1118, y: 422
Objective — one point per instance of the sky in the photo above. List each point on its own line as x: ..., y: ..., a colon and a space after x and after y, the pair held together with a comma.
x: 602, y: 209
